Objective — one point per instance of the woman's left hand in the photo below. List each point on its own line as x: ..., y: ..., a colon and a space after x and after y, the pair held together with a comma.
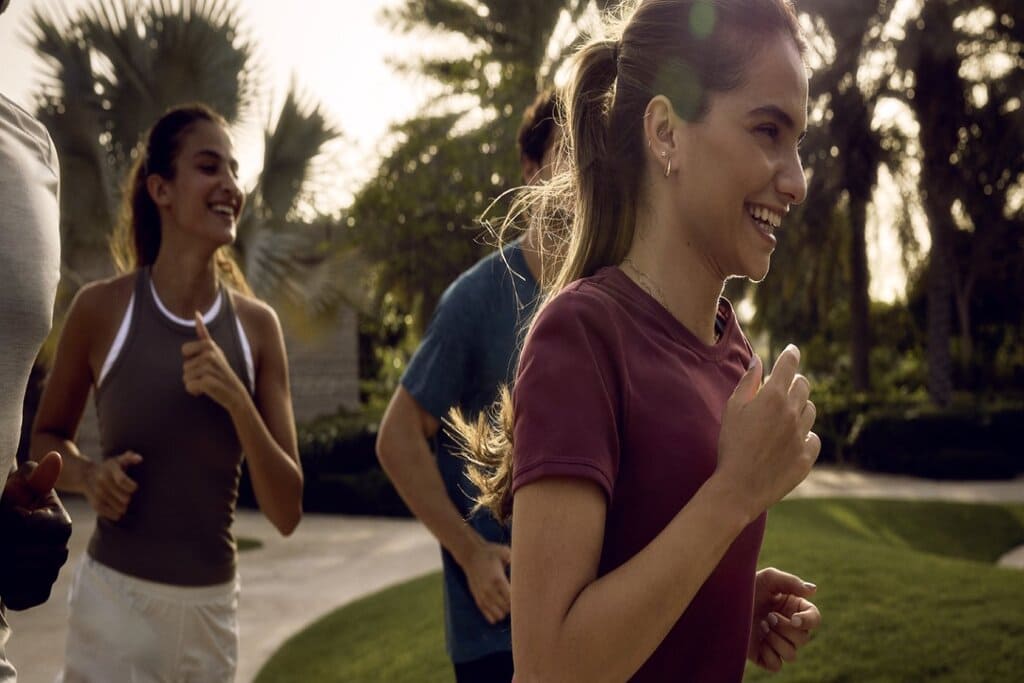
x: 206, y: 370
x: 784, y: 618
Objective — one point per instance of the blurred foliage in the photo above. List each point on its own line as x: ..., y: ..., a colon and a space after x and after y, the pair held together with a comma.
x: 966, y: 60
x: 953, y: 154
x: 956, y: 68
x: 416, y: 222
x: 843, y: 152
x: 340, y: 469
x: 956, y: 336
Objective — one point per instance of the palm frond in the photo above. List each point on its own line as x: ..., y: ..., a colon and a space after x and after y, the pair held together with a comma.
x: 290, y: 148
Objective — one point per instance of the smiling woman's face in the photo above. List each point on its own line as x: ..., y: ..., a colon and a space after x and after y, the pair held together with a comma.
x: 740, y: 169
x: 203, y: 199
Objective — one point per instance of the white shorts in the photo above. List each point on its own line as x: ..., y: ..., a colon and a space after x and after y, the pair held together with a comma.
x: 129, y: 630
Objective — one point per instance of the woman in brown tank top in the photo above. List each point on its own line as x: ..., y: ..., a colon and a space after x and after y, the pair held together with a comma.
x: 188, y: 374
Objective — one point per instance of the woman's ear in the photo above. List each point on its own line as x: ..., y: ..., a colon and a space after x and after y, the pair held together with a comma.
x: 156, y: 186
x: 661, y: 128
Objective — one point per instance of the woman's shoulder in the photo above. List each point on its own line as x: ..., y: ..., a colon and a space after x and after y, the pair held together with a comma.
x: 587, y: 299
x: 96, y: 312
x: 582, y: 314
x: 256, y: 315
x: 105, y: 299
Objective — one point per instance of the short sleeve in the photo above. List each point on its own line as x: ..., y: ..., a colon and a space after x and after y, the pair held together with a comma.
x: 567, y: 397
x: 437, y: 371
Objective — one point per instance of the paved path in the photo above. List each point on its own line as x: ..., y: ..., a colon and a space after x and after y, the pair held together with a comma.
x: 286, y: 584
x: 330, y: 561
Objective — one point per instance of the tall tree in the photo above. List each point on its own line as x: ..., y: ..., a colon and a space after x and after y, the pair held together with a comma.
x: 971, y: 144
x: 823, y: 282
x: 854, y: 29
x: 415, y: 221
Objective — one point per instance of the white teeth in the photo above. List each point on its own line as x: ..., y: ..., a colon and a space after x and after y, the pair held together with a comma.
x: 224, y: 209
x: 766, y: 215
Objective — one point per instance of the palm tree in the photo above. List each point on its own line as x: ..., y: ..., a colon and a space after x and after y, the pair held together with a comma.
x: 971, y: 155
x: 115, y: 67
x: 410, y: 221
x: 846, y: 155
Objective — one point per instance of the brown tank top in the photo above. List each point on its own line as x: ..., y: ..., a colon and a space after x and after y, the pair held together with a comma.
x: 177, y: 528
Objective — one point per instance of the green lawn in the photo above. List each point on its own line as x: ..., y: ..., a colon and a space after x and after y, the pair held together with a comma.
x: 908, y: 591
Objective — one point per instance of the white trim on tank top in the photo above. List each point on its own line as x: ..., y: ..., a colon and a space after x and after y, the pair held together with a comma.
x: 126, y: 322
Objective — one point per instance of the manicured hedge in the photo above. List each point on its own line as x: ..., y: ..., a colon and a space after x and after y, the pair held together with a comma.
x: 962, y: 443
x: 342, y: 475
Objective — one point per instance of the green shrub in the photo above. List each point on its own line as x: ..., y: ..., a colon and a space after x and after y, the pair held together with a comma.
x: 339, y: 445
x: 958, y: 443
x: 340, y: 468
x: 363, y: 493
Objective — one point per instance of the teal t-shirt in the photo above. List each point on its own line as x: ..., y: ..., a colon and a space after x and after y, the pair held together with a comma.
x: 470, y: 349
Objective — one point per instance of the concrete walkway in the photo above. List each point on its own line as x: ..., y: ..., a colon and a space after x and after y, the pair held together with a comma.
x: 330, y: 561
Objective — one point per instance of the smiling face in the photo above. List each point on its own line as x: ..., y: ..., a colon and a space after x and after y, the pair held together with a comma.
x: 739, y: 167
x: 203, y: 199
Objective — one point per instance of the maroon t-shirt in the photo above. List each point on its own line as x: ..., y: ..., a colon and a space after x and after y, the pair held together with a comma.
x: 613, y: 389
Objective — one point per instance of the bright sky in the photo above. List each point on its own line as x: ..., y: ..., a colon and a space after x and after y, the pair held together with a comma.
x: 335, y: 49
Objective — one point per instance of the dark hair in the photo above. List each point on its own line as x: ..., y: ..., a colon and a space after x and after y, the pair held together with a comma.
x: 538, y: 124
x: 137, y: 236
x: 685, y: 50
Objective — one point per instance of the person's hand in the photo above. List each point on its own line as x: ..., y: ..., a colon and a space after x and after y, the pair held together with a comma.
x: 34, y: 533
x: 206, y: 370
x: 108, y: 488
x: 784, y: 619
x: 766, y: 446
x: 488, y: 582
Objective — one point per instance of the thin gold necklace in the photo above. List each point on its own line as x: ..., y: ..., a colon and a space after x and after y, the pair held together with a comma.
x: 646, y: 283
x: 655, y: 292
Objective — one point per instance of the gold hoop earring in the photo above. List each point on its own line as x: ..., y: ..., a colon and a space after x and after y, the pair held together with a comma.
x: 668, y: 169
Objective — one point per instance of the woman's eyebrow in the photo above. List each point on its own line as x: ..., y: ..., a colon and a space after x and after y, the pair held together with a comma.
x: 232, y: 163
x: 779, y: 115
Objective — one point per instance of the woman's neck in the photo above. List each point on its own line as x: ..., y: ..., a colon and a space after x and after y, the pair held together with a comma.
x: 680, y: 278
x: 186, y: 283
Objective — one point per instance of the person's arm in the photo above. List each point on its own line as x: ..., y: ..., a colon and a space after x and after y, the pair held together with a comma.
x: 264, y: 423
x: 571, y: 625
x: 404, y: 453
x: 106, y: 485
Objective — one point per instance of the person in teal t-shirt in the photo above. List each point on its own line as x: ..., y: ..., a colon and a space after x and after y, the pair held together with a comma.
x: 467, y: 353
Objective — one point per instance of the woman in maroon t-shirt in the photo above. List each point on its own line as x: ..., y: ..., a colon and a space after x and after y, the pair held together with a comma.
x: 646, y: 450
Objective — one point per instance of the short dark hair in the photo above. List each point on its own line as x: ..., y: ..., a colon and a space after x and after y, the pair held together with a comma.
x: 535, y: 132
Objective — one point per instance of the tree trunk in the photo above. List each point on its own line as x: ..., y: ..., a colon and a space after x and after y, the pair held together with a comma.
x: 963, y: 313
x: 940, y: 300
x: 860, y: 320
x: 938, y: 101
